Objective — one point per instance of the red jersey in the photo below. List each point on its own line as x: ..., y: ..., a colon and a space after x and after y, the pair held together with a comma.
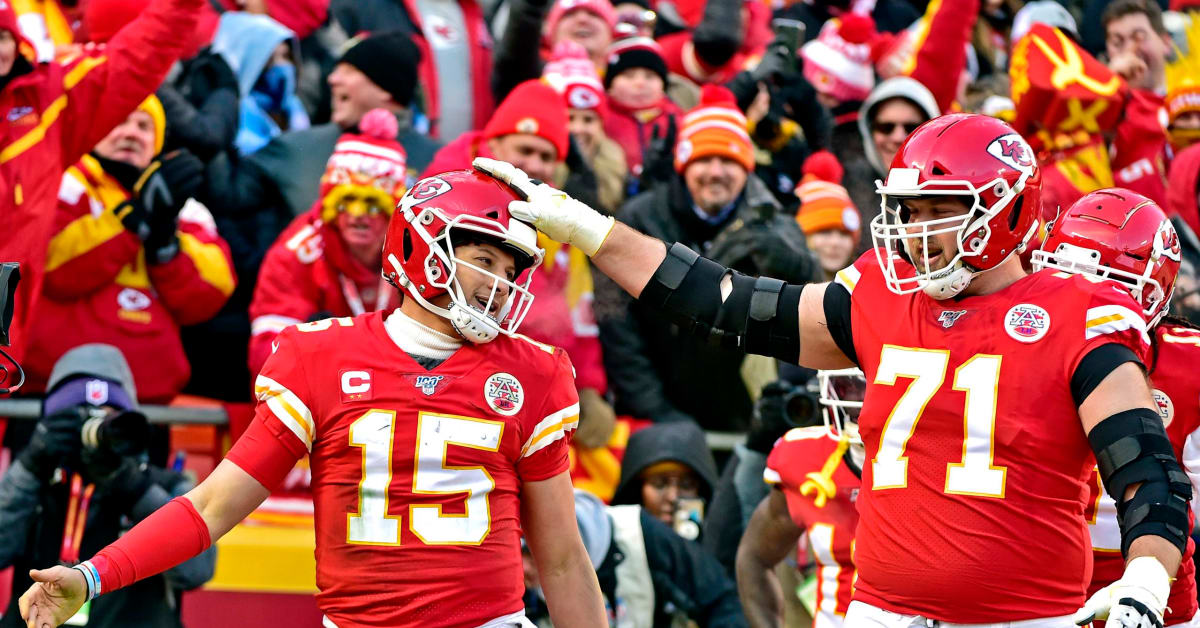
x: 416, y: 474
x: 1178, y: 395
x: 973, y: 496
x: 828, y: 529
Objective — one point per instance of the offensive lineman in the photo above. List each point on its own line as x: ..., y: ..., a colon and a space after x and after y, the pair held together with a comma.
x: 1122, y: 236
x: 971, y: 509
x: 437, y: 436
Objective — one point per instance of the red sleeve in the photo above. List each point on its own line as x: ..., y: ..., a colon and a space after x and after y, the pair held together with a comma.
x: 1112, y: 316
x: 266, y: 450
x: 197, y: 282
x: 169, y: 536
x: 544, y: 452
x: 108, y: 82
x: 284, y: 396
x: 87, y: 251
x: 940, y: 51
x: 285, y: 293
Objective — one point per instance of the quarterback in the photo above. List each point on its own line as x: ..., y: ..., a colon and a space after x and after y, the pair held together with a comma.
x: 989, y: 390
x: 437, y: 437
x: 1118, y: 235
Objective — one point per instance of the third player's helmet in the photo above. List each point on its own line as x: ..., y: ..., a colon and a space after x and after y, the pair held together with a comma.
x: 978, y: 158
x: 842, y: 394
x: 1119, y: 235
x: 441, y: 212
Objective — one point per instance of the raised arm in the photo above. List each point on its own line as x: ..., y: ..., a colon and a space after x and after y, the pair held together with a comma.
x: 756, y: 315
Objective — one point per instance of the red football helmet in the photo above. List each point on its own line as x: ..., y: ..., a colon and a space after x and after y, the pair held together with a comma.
x: 842, y: 394
x: 434, y: 216
x: 1120, y: 235
x: 970, y: 155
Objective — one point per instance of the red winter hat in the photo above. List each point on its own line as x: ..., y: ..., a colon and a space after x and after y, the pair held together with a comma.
x: 534, y: 108
x: 839, y: 62
x: 8, y: 22
x: 602, y: 8
x: 571, y: 72
x: 371, y: 158
x: 714, y: 127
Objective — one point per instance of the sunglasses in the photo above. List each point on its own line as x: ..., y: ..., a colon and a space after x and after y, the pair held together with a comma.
x: 886, y: 128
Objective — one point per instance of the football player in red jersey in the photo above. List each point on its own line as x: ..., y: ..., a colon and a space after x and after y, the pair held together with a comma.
x: 989, y: 389
x: 437, y: 437
x: 1119, y: 235
x: 817, y: 478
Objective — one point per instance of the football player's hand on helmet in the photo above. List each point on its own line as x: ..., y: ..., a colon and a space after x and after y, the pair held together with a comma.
x: 1137, y: 600
x: 549, y: 210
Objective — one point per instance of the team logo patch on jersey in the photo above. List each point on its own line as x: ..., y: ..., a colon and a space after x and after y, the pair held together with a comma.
x: 1025, y: 322
x: 504, y: 393
x: 1166, y: 409
x: 355, y: 384
x: 949, y: 317
x: 96, y: 392
x: 427, y: 384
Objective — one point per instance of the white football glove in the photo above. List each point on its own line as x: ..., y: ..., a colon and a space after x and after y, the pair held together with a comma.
x: 1137, y: 600
x: 549, y: 210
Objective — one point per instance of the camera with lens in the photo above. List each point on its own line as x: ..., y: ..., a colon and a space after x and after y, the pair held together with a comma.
x: 124, y: 433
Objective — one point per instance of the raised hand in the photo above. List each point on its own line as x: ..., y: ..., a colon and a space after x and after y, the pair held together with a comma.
x: 57, y: 593
x: 549, y: 210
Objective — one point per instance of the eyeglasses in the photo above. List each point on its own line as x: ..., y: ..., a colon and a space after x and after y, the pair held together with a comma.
x: 886, y: 128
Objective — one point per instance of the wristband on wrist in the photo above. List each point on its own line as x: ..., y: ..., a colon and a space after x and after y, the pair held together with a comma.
x: 91, y: 577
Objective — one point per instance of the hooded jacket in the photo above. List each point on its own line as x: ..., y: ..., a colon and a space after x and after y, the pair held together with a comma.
x: 51, y: 114
x: 681, y: 442
x: 657, y: 371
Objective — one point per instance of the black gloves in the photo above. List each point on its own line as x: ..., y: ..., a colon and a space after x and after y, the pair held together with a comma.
x: 658, y: 164
x: 55, y: 441
x: 158, y: 196
x: 581, y: 183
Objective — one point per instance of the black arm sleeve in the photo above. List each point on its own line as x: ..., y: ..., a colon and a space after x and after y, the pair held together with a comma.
x: 689, y: 577
x: 837, y: 316
x: 1096, y: 365
x: 516, y: 59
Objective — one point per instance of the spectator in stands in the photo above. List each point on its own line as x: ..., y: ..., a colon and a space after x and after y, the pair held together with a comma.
x: 638, y: 106
x: 827, y: 217
x: 133, y: 257
x: 715, y: 39
x: 572, y: 73
x: 666, y: 469
x: 49, y: 122
x: 1137, y: 43
x: 528, y: 130
x: 894, y: 109
x: 716, y: 208
x: 265, y: 55
x: 890, y: 16
x: 648, y: 575
x: 328, y: 261
x: 69, y: 494
x: 455, y: 46
x: 379, y: 71
x: 838, y: 64
x: 588, y: 23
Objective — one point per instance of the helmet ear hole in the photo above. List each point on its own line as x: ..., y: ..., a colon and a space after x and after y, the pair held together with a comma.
x: 406, y: 245
x: 494, y: 215
x: 1014, y: 218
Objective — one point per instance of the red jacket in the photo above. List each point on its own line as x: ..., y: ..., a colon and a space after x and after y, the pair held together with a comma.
x: 479, y: 41
x: 459, y: 154
x: 1185, y: 180
x: 632, y: 129
x: 52, y: 116
x: 1140, y: 147
x: 680, y: 54
x: 308, y: 271
x: 99, y: 288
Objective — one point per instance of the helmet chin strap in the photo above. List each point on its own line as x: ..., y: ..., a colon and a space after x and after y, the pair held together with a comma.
x: 950, y: 283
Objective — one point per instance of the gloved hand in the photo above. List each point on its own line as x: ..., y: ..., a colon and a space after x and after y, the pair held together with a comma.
x: 550, y: 211
x: 55, y: 441
x: 164, y: 187
x: 658, y: 164
x: 596, y: 420
x: 123, y: 478
x: 1137, y: 600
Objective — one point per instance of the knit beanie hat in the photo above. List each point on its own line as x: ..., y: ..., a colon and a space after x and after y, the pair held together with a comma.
x: 154, y: 108
x: 714, y: 127
x: 824, y: 203
x: 370, y: 162
x: 390, y: 60
x: 838, y: 62
x: 602, y: 8
x: 533, y: 107
x: 573, y: 74
x: 635, y: 52
x: 95, y: 374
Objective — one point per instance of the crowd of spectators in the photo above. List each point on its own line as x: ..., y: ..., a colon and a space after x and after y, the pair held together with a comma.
x: 180, y: 180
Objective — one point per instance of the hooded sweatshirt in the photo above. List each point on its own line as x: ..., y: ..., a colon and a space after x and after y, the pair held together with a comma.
x: 679, y: 441
x: 247, y: 42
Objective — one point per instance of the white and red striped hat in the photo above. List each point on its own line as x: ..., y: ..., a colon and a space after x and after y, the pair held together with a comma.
x: 371, y: 157
x: 838, y: 62
x: 714, y: 127
x: 571, y: 72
